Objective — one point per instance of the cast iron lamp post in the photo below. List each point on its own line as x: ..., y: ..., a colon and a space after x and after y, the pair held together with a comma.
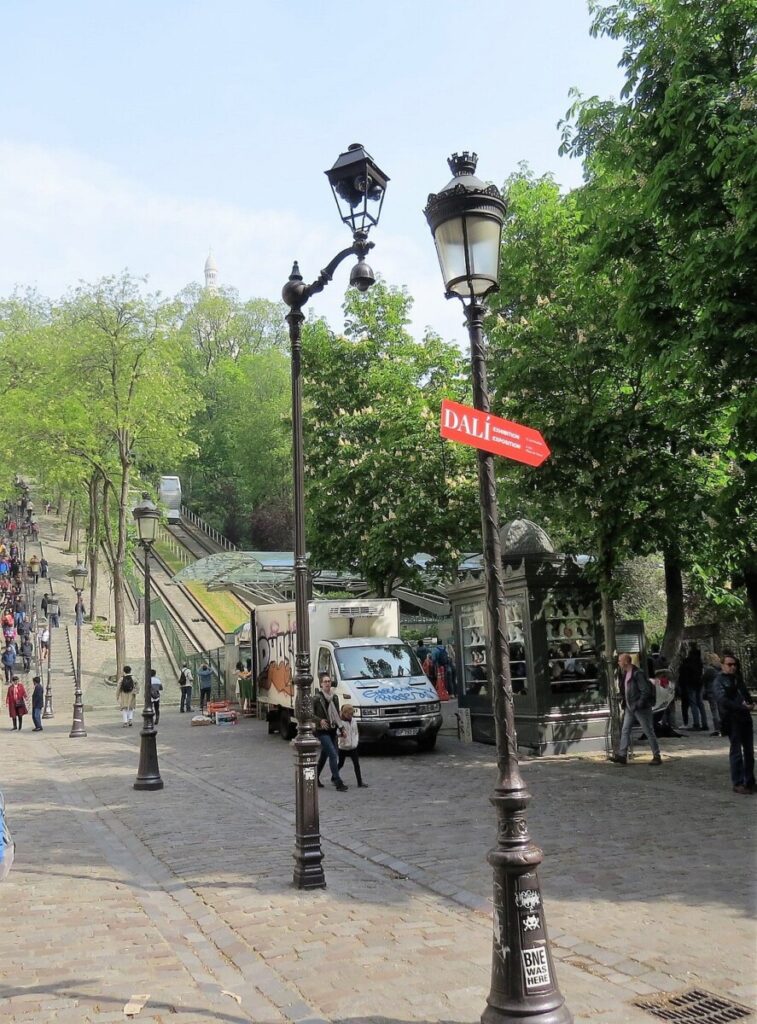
x: 147, y: 516
x: 359, y: 187
x: 78, y: 578
x: 466, y: 220
x: 53, y: 610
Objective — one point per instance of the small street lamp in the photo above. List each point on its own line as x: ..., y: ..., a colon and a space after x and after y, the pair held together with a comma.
x: 146, y: 516
x: 78, y: 578
x: 53, y: 610
x: 466, y: 219
x: 359, y: 186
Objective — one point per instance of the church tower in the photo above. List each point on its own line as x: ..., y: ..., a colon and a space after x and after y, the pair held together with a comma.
x: 211, y: 273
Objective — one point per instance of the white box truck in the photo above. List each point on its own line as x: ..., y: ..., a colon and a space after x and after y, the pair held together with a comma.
x: 357, y: 642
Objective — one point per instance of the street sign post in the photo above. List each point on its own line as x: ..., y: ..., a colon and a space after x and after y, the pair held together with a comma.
x: 480, y: 429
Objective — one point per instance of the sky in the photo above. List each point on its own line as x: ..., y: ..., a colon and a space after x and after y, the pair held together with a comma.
x: 137, y: 135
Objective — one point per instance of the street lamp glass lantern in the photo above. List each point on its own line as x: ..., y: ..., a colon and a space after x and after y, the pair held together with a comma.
x: 146, y: 516
x: 78, y: 576
x: 359, y: 187
x: 466, y: 220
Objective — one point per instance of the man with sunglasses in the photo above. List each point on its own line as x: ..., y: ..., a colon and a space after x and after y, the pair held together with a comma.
x: 736, y: 705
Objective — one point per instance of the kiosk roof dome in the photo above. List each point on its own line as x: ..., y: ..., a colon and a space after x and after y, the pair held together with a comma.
x: 522, y: 537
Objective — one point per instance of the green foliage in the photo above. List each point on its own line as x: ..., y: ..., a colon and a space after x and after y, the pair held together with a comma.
x: 381, y: 483
x: 674, y: 169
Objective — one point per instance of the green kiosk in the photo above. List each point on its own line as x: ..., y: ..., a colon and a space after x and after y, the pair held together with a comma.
x: 554, y: 634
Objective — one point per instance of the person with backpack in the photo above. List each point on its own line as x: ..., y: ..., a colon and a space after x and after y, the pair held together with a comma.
x: 185, y: 682
x: 126, y: 695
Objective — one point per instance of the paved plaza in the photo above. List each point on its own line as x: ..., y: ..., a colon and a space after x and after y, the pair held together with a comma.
x: 183, y: 897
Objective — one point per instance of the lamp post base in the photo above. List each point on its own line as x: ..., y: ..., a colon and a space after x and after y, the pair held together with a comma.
x: 77, y: 728
x: 148, y: 774
x: 308, y: 858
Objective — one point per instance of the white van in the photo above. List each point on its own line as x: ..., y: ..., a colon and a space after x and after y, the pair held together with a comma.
x: 371, y: 668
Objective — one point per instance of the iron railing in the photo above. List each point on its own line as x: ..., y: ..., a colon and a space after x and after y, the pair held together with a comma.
x: 206, y: 528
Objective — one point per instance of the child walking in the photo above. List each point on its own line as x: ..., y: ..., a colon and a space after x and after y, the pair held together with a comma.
x: 349, y: 738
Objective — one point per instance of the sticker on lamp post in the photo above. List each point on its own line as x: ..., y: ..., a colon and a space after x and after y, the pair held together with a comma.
x: 536, y: 967
x: 479, y: 429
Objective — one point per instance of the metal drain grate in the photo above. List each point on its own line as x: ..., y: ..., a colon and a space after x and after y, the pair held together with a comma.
x: 693, y: 1007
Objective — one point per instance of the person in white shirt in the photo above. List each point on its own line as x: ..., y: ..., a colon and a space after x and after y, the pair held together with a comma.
x: 349, y: 737
x: 155, y: 690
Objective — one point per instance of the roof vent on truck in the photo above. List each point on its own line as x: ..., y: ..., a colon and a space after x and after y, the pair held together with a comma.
x: 354, y: 611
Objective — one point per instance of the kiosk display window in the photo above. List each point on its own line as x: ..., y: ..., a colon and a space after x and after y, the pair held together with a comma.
x: 475, y: 670
x: 573, y: 655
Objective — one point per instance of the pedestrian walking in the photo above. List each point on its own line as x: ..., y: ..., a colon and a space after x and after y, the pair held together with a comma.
x: 27, y: 650
x: 638, y: 696
x: 710, y: 672
x: 79, y: 612
x: 326, y: 714
x: 126, y: 695
x: 735, y: 704
x: 185, y: 682
x: 44, y: 565
x: 155, y: 689
x: 690, y: 681
x: 349, y: 737
x: 43, y: 605
x: 38, y: 700
x: 206, y: 682
x: 34, y: 569
x: 55, y: 618
x: 44, y: 643
x: 8, y: 659
x: 15, y: 698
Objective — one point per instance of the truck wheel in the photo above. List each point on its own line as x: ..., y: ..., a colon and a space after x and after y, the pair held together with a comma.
x: 427, y: 742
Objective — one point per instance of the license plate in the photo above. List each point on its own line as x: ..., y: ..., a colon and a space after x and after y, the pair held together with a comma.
x: 404, y: 732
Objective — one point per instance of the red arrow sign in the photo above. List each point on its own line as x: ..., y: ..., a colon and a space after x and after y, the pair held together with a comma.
x: 501, y: 437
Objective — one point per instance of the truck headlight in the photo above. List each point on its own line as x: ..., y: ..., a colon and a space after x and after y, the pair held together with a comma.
x: 432, y: 709
x: 370, y: 712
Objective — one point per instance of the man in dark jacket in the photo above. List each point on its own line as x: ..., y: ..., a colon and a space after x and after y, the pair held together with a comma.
x: 38, y: 700
x: 638, y: 695
x: 735, y: 705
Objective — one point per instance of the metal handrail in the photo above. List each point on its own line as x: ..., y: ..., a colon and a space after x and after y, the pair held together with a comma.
x: 206, y: 528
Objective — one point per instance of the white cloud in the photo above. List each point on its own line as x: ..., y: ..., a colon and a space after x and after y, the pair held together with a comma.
x: 65, y: 217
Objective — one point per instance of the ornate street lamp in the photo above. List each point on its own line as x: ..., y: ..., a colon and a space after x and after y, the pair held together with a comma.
x: 53, y: 611
x: 146, y: 516
x: 358, y: 185
x: 466, y: 220
x: 78, y: 578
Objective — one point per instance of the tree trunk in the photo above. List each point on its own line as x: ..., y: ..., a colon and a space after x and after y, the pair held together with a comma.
x: 674, y: 619
x: 608, y: 627
x: 74, y: 526
x: 69, y: 521
x: 93, y: 545
x: 117, y: 575
x: 750, y: 582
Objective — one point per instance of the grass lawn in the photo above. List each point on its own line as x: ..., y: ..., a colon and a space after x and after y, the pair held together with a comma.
x: 222, y: 607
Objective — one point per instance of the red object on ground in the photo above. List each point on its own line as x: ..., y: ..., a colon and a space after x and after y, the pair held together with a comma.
x: 482, y: 430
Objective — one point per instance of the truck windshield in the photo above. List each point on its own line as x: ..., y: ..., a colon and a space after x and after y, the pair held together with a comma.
x: 384, y: 662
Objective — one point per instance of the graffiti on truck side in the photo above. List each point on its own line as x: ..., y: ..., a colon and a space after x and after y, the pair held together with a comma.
x: 276, y: 649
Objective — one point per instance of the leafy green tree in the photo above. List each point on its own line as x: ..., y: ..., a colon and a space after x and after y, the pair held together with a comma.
x: 382, y: 485
x: 674, y: 166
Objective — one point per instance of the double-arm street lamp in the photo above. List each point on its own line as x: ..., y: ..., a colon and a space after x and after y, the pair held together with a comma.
x: 53, y: 611
x: 78, y: 578
x: 359, y: 186
x: 466, y: 220
x: 147, y: 516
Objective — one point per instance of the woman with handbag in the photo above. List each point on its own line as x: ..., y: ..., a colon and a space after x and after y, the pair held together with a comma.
x: 15, y: 698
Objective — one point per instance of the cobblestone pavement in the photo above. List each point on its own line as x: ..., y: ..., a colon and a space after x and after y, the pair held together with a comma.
x: 184, y: 895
